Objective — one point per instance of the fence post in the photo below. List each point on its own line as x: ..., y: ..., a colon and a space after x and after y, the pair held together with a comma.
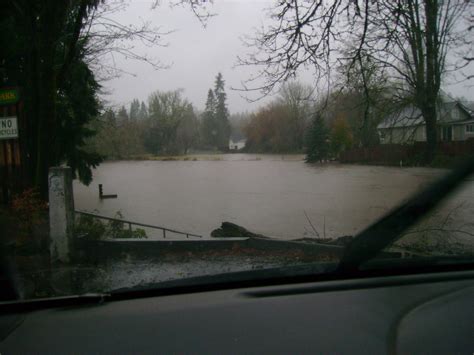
x: 61, y: 213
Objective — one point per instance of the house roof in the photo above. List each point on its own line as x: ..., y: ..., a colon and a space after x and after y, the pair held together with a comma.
x: 470, y: 106
x: 411, y: 116
x: 406, y: 117
x: 241, y: 140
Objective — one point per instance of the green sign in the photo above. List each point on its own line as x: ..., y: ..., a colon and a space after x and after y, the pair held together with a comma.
x: 9, y: 96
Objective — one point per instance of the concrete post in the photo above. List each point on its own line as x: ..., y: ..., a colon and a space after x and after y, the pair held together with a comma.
x: 61, y: 213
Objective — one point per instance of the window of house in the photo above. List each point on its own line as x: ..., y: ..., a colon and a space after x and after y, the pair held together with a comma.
x: 470, y: 128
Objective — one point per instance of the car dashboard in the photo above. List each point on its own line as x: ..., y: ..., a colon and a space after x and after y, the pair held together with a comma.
x: 423, y: 313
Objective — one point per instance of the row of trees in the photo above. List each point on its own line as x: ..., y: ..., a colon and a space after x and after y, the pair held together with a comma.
x: 169, y: 124
x: 280, y: 126
x: 331, y: 130
x: 342, y: 114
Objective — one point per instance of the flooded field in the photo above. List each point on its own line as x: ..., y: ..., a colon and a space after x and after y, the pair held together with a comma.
x: 274, y: 195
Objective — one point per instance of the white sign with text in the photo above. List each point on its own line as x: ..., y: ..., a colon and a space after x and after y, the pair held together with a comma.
x: 8, y: 128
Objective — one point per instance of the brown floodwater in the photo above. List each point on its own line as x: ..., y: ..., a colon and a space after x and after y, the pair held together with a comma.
x: 269, y: 194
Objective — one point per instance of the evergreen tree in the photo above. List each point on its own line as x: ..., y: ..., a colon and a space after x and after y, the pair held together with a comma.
x: 43, y: 52
x: 122, y: 115
x: 209, y: 124
x: 109, y: 118
x: 317, y: 146
x: 216, y: 127
x: 134, y: 110
x: 143, y: 113
x: 77, y: 108
x: 221, y: 114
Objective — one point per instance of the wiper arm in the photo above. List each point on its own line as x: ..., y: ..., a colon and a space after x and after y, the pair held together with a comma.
x: 367, y: 244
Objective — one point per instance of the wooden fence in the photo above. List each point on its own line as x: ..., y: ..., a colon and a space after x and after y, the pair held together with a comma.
x: 393, y: 154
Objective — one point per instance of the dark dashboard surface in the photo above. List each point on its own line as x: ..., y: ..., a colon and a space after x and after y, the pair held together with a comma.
x: 412, y: 314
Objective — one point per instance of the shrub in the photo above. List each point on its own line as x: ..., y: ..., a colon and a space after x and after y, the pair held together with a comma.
x: 92, y: 228
x: 29, y: 209
x: 89, y: 227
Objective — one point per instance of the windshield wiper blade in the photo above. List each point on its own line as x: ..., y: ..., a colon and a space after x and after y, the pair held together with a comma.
x: 367, y: 244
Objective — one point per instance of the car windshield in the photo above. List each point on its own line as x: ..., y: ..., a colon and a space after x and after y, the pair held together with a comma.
x: 143, y: 142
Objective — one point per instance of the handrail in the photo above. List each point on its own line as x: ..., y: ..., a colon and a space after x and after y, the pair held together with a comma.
x: 130, y: 223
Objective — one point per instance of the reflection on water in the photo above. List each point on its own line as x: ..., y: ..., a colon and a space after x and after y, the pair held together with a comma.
x: 268, y: 194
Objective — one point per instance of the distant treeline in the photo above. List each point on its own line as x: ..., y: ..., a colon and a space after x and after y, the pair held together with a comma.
x: 322, y: 127
x: 167, y: 124
x: 297, y: 121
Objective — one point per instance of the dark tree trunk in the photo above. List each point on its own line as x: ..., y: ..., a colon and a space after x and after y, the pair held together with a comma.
x: 429, y: 113
x: 46, y: 125
x: 50, y: 25
x: 433, y: 78
x: 30, y: 92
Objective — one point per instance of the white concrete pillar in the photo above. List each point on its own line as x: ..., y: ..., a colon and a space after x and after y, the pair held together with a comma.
x: 61, y: 213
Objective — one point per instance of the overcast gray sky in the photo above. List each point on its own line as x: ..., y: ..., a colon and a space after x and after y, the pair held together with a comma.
x: 197, y: 54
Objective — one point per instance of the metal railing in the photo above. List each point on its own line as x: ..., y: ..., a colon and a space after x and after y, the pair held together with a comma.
x: 131, y: 223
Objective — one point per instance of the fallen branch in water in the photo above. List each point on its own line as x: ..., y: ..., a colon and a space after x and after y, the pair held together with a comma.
x: 231, y: 230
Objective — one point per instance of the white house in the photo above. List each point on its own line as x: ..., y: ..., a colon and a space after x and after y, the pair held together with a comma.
x: 455, y: 123
x: 237, y: 144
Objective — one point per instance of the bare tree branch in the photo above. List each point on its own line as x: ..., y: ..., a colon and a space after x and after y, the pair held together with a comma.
x: 104, y: 38
x: 200, y: 8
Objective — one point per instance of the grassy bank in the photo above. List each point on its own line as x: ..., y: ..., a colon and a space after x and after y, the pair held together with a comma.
x: 205, y: 157
x: 188, y: 157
